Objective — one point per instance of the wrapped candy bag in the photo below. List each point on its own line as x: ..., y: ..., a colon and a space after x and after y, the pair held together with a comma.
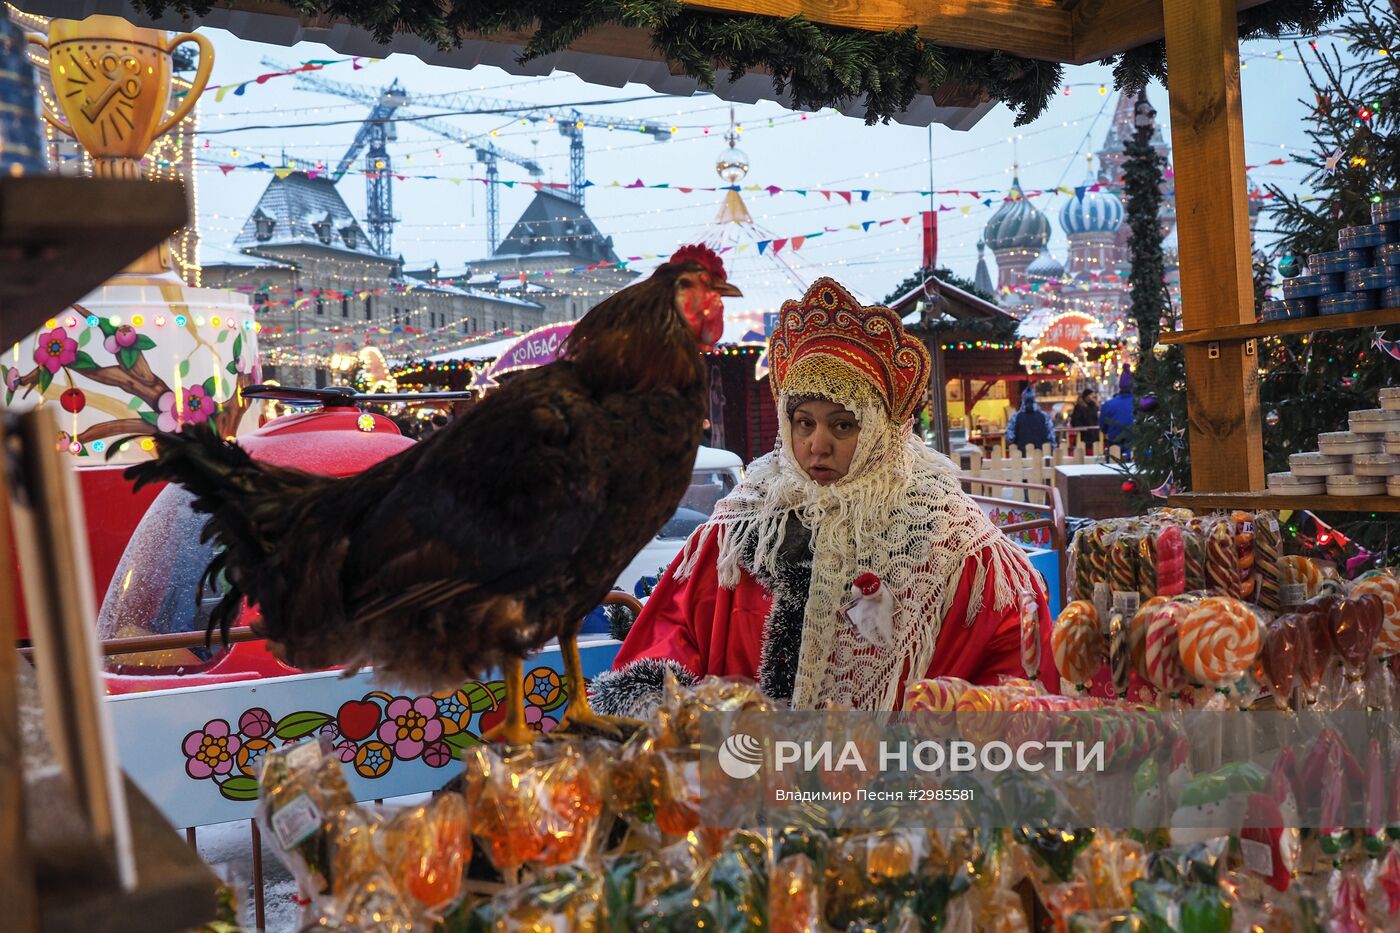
x: 569, y: 897
x: 1170, y: 554
x: 1193, y: 547
x: 794, y: 896
x: 1147, y: 566
x: 1123, y: 569
x: 302, y: 794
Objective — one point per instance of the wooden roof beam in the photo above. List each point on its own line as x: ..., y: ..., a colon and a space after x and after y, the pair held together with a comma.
x: 1070, y: 31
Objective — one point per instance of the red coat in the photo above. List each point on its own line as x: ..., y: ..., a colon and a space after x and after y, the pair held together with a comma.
x: 711, y: 630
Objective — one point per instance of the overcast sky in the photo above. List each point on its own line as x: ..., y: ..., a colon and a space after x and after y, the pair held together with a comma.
x: 444, y: 222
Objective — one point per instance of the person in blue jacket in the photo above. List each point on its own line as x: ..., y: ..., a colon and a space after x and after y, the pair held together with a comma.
x: 1030, y: 427
x: 1116, y: 416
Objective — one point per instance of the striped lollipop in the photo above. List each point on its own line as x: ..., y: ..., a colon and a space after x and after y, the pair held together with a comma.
x: 1083, y: 564
x: 1268, y: 549
x: 1077, y: 642
x: 1219, y: 640
x: 1222, y: 569
x: 1302, y: 572
x: 1123, y: 564
x: 1147, y: 566
x: 1137, y: 635
x: 1194, y: 550
x: 1161, y: 653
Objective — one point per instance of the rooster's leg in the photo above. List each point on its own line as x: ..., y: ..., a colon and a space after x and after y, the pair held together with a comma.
x: 579, y: 717
x: 514, y: 730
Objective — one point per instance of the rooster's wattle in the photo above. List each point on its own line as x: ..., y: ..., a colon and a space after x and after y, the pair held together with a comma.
x: 473, y: 548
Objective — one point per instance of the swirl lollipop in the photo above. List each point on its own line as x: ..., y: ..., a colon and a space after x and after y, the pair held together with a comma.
x: 938, y: 695
x: 1302, y: 572
x: 1219, y: 640
x: 1268, y: 549
x: 1077, y: 642
x: 1194, y: 559
x: 1387, y: 588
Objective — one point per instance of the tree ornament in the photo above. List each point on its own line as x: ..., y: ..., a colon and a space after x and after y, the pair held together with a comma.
x: 1272, y: 418
x: 1147, y: 403
x: 1288, y: 266
x: 1129, y: 487
x: 73, y: 400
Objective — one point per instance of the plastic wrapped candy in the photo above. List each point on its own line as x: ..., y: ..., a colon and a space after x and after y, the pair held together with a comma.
x: 427, y: 848
x: 1279, y: 657
x: 1110, y: 865
x: 536, y: 805
x: 1268, y: 549
x: 1386, y: 586
x: 1171, y: 561
x: 1161, y: 651
x: 1108, y: 921
x: 565, y: 898
x: 300, y: 793
x: 794, y: 896
x: 657, y: 784
x: 1300, y: 580
x: 936, y: 695
x: 1077, y: 642
x: 1029, y: 605
x: 1219, y: 640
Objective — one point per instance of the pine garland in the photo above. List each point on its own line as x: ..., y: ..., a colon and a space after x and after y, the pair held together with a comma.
x: 819, y: 66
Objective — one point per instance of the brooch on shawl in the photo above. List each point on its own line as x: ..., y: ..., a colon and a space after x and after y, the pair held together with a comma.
x: 870, y: 611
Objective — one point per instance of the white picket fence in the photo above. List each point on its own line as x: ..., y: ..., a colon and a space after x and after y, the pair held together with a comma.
x: 1033, y: 467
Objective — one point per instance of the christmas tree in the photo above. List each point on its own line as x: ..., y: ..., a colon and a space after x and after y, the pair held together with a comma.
x: 1160, y: 455
x: 1310, y: 383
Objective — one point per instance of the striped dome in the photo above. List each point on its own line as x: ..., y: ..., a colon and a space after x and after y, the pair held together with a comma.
x: 1017, y: 224
x: 1093, y: 212
x: 1045, y: 267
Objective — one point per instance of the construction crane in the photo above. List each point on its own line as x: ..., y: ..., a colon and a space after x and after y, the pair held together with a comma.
x: 569, y: 122
x: 373, y: 138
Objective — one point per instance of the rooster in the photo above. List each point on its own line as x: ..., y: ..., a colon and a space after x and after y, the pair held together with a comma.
x: 476, y: 546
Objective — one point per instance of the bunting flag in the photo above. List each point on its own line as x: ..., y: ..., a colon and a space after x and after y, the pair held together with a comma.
x: 1166, y: 490
x: 237, y: 89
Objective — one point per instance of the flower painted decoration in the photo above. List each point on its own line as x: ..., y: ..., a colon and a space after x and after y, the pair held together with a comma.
x: 410, y: 725
x: 198, y: 407
x: 210, y: 750
x: 55, y: 350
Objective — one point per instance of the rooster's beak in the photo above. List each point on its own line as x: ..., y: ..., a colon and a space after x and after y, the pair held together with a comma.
x: 726, y: 290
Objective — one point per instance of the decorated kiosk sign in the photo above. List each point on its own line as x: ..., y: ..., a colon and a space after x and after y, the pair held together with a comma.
x: 1064, y: 336
x: 537, y: 348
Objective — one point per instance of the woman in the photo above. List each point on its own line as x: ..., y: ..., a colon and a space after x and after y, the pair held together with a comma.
x: 764, y: 589
x: 1086, y: 416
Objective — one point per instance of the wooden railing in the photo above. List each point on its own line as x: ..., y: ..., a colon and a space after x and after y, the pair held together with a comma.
x: 1049, y: 509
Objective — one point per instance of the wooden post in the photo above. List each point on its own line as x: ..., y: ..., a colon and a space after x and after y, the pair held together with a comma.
x: 1222, y: 380
x: 16, y: 870
x: 938, y: 398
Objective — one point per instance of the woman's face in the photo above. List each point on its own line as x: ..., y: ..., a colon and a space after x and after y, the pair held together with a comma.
x: 824, y: 440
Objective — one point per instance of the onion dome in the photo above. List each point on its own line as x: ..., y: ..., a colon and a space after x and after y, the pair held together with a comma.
x: 1017, y: 224
x: 1091, y: 211
x: 1045, y: 268
x: 983, y: 279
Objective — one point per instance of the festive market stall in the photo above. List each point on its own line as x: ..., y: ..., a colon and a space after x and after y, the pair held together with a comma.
x: 1288, y: 826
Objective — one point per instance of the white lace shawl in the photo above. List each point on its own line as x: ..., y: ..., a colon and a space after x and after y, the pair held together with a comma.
x: 900, y: 513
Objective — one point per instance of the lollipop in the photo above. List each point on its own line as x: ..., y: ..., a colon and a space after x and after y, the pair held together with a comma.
x: 1268, y: 549
x: 1279, y: 657
x: 1353, y: 625
x: 1194, y: 559
x: 1304, y: 574
x: 1147, y: 567
x: 1119, y: 653
x: 1123, y: 565
x: 1161, y: 654
x: 1222, y: 569
x: 1137, y: 634
x: 1219, y: 640
x: 1077, y: 642
x: 1315, y: 643
x: 1385, y: 586
x: 1244, y: 557
x: 1171, y: 562
x: 1030, y: 633
x: 939, y: 695
x: 1083, y: 565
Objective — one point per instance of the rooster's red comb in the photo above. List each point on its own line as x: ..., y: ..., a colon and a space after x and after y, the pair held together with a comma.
x: 705, y: 256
